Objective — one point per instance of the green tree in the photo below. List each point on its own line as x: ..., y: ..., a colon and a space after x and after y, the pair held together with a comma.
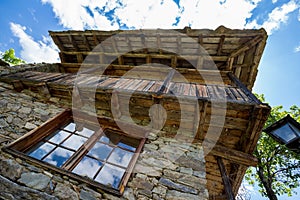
x: 278, y: 169
x: 9, y: 56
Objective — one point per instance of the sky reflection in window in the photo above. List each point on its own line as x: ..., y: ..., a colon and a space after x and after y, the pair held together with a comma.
x: 110, y: 176
x: 86, y: 132
x: 58, y: 157
x: 41, y: 150
x: 120, y: 157
x: 70, y: 127
x: 74, y: 142
x: 126, y: 146
x: 87, y: 167
x: 100, y: 151
x: 58, y: 137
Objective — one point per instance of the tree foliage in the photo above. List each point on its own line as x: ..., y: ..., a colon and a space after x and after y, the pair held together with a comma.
x: 9, y: 56
x: 278, y: 169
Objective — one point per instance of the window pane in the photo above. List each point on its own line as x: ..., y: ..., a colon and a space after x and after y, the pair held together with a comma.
x: 74, y: 142
x: 110, y: 176
x: 86, y: 132
x: 58, y: 137
x: 70, y: 127
x: 87, y: 167
x: 58, y: 157
x: 41, y: 150
x: 110, y: 137
x: 129, y: 143
x: 100, y: 151
x: 104, y: 139
x: 120, y: 157
x: 285, y: 133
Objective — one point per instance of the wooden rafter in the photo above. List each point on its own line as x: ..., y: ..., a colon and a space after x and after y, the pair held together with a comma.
x: 222, y: 39
x: 233, y: 155
x: 225, y: 178
x: 86, y: 42
x: 248, y: 45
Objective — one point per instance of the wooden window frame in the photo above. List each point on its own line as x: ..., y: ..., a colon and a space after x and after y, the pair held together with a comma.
x: 32, y: 138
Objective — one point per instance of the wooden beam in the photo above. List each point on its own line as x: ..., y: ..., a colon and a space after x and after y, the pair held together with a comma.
x: 18, y: 85
x: 86, y: 42
x: 225, y: 178
x: 232, y: 155
x: 73, y: 42
x: 222, y: 39
x: 153, y: 55
x: 248, y: 45
x: 243, y: 88
x: 165, y: 83
x: 43, y: 89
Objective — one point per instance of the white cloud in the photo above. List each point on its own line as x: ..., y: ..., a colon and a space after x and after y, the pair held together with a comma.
x: 299, y: 16
x: 151, y: 14
x: 201, y: 14
x: 148, y: 14
x: 73, y: 14
x: 32, y: 51
x: 297, y: 49
x: 276, y: 18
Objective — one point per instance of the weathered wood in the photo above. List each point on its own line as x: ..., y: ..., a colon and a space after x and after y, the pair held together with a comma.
x: 18, y: 85
x: 33, y: 137
x: 235, y: 156
x: 226, y: 180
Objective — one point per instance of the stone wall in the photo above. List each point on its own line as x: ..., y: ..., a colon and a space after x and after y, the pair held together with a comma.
x: 40, y: 67
x: 166, y: 169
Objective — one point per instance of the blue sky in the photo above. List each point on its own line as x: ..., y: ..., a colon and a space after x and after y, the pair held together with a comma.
x: 24, y: 26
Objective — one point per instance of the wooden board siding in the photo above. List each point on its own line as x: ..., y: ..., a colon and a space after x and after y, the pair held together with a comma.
x: 238, y: 51
x: 64, y: 82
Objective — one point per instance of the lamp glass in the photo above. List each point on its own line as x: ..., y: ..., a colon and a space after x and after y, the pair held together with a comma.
x: 286, y: 133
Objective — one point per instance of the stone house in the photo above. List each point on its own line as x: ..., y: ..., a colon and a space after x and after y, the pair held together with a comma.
x: 139, y: 114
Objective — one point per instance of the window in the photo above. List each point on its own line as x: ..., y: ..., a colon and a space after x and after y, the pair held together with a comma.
x: 101, y: 157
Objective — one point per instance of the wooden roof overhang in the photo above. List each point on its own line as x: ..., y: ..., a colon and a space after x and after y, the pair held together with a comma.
x: 238, y: 51
x: 235, y: 53
x: 244, y: 114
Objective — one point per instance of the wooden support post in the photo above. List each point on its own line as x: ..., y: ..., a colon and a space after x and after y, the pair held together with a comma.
x: 222, y: 39
x: 115, y: 106
x: 43, y: 89
x: 165, y: 83
x: 225, y: 178
x: 18, y: 85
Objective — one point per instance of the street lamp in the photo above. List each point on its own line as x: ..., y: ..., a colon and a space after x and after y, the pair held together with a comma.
x: 286, y: 131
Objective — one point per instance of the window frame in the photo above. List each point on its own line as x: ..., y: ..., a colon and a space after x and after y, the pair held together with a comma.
x: 26, y: 142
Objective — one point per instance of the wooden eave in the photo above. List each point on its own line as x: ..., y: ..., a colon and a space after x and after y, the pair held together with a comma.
x: 238, y: 51
x: 235, y: 53
x: 244, y: 120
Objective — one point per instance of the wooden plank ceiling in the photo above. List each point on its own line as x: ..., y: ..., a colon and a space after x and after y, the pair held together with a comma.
x: 238, y: 51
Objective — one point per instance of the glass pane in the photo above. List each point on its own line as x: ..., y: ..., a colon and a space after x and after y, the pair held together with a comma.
x: 129, y: 143
x: 87, y: 167
x: 58, y: 157
x: 285, y: 133
x: 110, y: 137
x: 58, y: 137
x: 120, y: 157
x: 70, y: 127
x: 110, y: 176
x: 41, y: 150
x: 74, y: 142
x: 100, y: 151
x: 86, y: 132
x: 295, y: 129
x: 104, y: 139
